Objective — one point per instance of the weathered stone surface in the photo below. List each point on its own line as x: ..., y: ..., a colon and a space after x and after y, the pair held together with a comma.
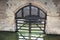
x: 3, y: 7
x: 5, y: 23
x: 8, y: 8
x: 53, y: 25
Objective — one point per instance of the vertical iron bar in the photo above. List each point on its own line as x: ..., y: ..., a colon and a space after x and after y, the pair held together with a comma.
x: 29, y: 26
x: 45, y: 22
x: 16, y: 22
x: 45, y: 16
x: 22, y: 12
x: 30, y: 8
x: 16, y: 26
x: 29, y: 30
x: 30, y: 22
x: 44, y: 26
x: 30, y: 19
x: 38, y: 11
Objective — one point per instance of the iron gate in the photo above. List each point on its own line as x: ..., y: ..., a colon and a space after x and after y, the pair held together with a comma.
x: 30, y: 22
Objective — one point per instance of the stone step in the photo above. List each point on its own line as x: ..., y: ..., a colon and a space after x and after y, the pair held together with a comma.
x: 32, y: 38
x: 27, y: 28
x: 19, y: 25
x: 22, y: 22
x: 32, y: 26
x: 34, y: 31
x: 37, y: 33
x: 26, y: 20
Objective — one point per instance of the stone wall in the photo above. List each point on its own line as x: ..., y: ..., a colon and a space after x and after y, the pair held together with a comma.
x: 8, y: 8
x: 6, y: 17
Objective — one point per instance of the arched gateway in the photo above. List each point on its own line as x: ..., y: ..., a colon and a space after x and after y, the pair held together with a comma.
x: 30, y: 22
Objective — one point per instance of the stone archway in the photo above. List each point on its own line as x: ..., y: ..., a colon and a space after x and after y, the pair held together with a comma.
x: 35, y: 3
x: 30, y: 20
x: 53, y: 22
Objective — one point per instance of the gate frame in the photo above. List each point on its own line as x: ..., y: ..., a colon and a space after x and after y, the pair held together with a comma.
x: 36, y: 7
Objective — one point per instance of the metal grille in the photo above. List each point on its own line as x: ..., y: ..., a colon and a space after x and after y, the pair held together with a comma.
x: 30, y: 23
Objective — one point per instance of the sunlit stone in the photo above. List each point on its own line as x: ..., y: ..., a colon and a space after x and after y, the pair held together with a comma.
x: 40, y: 39
x: 20, y: 37
x: 42, y: 22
